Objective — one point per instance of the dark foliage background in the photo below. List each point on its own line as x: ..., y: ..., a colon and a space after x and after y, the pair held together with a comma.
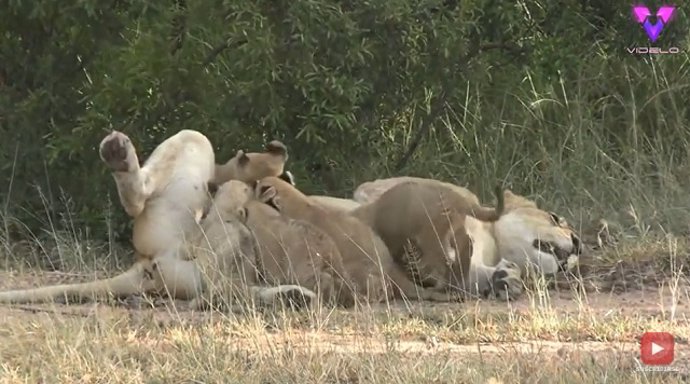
x: 539, y: 94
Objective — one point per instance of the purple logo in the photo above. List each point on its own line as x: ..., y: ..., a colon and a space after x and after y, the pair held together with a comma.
x: 641, y: 14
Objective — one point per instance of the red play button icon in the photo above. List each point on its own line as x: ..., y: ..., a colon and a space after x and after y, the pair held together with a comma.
x: 656, y: 348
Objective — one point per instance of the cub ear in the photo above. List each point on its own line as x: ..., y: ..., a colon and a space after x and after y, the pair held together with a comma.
x: 274, y: 203
x: 276, y: 147
x: 267, y: 192
x: 243, y: 214
x: 242, y: 158
x: 287, y: 176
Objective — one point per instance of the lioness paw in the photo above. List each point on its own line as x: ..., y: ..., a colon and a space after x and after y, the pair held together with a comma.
x: 117, y: 151
x: 296, y: 298
x: 290, y: 296
x: 506, y: 281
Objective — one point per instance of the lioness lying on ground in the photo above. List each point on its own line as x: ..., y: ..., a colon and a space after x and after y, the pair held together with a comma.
x: 523, y: 236
x: 166, y: 197
x: 431, y: 217
x: 375, y: 275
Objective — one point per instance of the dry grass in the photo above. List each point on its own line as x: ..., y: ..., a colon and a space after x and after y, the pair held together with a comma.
x: 549, y: 336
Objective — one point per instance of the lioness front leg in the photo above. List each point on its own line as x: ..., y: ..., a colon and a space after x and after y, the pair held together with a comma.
x: 505, y: 282
x: 118, y: 152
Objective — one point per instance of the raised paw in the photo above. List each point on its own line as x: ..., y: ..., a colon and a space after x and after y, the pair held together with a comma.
x: 117, y: 151
x: 506, y: 281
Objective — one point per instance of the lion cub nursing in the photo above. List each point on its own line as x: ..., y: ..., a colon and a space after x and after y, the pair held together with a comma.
x: 166, y: 197
x: 291, y: 251
x: 431, y: 216
x: 374, y: 274
x: 524, y: 238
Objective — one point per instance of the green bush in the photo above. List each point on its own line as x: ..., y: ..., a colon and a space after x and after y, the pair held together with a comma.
x: 541, y: 95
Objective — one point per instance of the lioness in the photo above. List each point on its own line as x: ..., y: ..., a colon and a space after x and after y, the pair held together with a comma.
x: 364, y: 254
x: 523, y: 236
x: 430, y: 216
x: 166, y: 197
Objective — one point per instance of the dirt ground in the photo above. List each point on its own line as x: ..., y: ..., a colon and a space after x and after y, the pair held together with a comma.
x: 614, y: 323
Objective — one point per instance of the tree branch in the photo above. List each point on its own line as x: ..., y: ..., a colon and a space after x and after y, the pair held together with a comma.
x: 218, y: 49
x: 435, y: 110
x: 179, y: 26
x: 437, y: 105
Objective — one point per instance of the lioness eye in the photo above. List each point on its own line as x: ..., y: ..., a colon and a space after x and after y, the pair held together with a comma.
x: 554, y: 217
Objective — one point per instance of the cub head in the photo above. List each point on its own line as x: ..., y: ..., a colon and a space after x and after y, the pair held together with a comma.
x: 253, y: 166
x: 529, y: 235
x: 257, y: 213
x: 228, y: 198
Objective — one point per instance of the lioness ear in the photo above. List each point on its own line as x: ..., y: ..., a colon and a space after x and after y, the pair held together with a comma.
x: 276, y: 147
x: 555, y: 218
x: 242, y: 158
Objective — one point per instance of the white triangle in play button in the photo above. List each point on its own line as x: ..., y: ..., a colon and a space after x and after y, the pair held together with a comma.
x: 656, y: 348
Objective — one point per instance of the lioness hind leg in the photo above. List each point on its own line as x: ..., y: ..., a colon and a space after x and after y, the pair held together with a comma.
x: 506, y: 281
x: 133, y: 281
x: 118, y: 152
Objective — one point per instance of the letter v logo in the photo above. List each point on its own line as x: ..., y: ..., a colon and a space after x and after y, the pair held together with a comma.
x: 641, y: 14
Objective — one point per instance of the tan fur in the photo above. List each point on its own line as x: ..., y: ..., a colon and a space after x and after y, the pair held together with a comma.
x: 372, y: 190
x: 497, y: 253
x: 289, y: 251
x: 165, y: 197
x: 343, y: 205
x: 249, y: 167
x: 296, y: 252
x: 432, y: 216
x: 364, y: 254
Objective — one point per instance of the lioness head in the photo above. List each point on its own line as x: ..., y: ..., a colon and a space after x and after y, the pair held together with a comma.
x: 253, y: 166
x: 528, y: 235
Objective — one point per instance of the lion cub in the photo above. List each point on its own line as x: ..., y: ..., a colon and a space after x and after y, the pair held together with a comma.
x: 252, y: 166
x: 431, y: 217
x: 364, y: 255
x: 231, y: 258
x: 296, y: 252
x: 288, y: 251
